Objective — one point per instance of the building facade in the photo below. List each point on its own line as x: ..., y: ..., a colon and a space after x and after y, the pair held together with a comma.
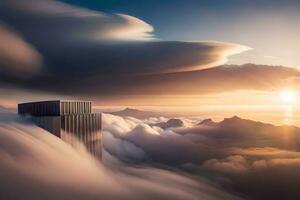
x: 72, y: 121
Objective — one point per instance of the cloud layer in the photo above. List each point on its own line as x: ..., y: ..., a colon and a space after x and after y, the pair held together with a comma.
x: 60, y: 22
x: 36, y: 165
x: 78, y: 45
x: 244, y: 156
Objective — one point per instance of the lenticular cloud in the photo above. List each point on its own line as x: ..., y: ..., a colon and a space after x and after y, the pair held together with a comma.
x: 109, y: 50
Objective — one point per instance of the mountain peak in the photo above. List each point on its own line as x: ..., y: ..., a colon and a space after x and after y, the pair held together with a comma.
x: 173, y: 122
x: 208, y: 122
x: 130, y: 109
x: 140, y: 114
x: 234, y: 118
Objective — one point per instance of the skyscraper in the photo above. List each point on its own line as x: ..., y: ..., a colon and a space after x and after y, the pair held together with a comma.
x: 72, y: 121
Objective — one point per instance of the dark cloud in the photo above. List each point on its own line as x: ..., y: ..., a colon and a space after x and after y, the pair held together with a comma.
x: 218, y: 79
x: 81, y: 46
x: 134, y: 58
x: 76, y: 51
x: 214, y: 80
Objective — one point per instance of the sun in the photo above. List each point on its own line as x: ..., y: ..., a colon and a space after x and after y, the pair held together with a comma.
x: 288, y: 96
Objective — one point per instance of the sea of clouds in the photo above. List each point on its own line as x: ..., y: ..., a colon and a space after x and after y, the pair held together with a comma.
x: 251, y: 159
x: 154, y: 158
x: 37, y: 165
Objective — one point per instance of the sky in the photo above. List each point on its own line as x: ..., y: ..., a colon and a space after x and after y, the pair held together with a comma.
x: 269, y: 27
x: 150, y: 53
x: 235, y: 61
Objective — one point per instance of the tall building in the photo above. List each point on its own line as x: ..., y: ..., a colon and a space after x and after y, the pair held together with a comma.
x: 72, y: 121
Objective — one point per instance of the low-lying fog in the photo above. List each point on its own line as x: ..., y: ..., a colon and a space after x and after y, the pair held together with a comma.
x: 155, y: 158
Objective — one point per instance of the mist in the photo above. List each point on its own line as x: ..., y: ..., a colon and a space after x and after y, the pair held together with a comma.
x: 153, y: 158
x: 252, y: 159
x: 34, y: 164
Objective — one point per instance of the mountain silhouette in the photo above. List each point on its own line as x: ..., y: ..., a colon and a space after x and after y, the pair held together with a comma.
x: 137, y: 113
x: 236, y: 131
x: 207, y: 122
x: 170, y: 123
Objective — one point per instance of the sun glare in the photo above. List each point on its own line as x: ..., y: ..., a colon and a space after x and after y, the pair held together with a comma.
x: 288, y: 96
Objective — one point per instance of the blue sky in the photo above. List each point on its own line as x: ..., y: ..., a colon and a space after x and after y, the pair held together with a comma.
x: 264, y: 25
x: 190, y: 19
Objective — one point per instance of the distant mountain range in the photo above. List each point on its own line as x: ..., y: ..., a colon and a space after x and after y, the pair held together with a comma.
x: 229, y: 132
x: 248, y: 133
x: 232, y: 122
x: 207, y: 122
x: 138, y: 113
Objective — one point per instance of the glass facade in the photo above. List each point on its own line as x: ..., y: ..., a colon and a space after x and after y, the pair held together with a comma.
x: 72, y: 121
x: 49, y: 123
x: 84, y: 128
x: 55, y: 108
x: 45, y: 108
